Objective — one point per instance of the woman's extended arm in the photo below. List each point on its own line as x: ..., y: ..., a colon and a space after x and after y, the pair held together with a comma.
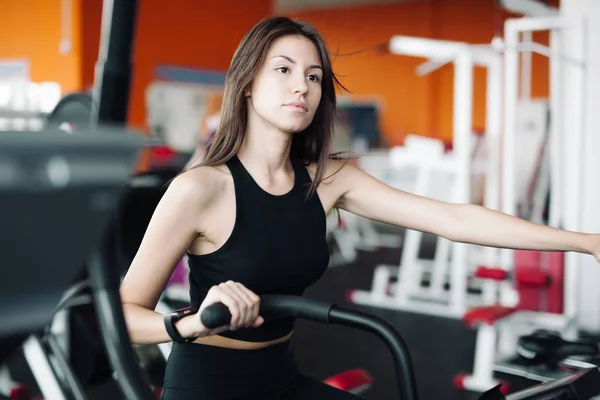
x: 467, y: 223
x: 479, y: 225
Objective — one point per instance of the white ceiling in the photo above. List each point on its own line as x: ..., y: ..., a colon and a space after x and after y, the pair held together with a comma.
x: 300, y: 5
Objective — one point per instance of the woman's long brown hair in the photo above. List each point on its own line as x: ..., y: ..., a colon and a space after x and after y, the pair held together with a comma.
x: 313, y: 145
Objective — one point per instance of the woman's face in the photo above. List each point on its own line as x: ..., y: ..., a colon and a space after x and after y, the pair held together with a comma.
x: 287, y: 89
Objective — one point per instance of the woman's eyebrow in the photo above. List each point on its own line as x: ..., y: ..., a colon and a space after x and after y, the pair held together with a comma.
x: 294, y: 62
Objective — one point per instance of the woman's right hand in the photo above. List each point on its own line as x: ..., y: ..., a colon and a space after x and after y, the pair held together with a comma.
x: 242, y: 303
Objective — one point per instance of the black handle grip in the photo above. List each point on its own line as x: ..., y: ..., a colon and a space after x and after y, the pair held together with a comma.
x: 271, y: 307
x: 215, y: 315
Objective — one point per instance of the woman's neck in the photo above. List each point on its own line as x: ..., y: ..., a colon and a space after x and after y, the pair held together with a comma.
x: 266, y: 149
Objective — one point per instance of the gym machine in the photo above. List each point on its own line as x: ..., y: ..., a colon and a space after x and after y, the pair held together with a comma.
x: 63, y: 190
x: 445, y: 286
x: 544, y: 321
x: 81, y: 179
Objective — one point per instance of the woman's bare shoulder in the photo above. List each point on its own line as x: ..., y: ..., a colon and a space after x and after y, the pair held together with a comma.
x: 199, y: 186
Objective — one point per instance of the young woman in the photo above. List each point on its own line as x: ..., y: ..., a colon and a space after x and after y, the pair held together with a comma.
x: 251, y: 217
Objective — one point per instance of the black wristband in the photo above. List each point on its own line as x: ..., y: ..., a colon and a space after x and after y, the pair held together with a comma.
x: 172, y: 318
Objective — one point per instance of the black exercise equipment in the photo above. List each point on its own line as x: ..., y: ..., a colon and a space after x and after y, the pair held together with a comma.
x: 108, y: 103
x: 83, y: 346
x: 108, y: 106
x: 77, y: 113
x: 114, y: 66
x: 274, y: 306
x: 72, y: 113
x: 62, y: 190
x: 582, y: 385
x: 579, y: 386
x: 548, y: 348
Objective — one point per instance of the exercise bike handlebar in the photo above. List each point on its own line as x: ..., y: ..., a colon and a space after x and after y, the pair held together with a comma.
x: 282, y: 306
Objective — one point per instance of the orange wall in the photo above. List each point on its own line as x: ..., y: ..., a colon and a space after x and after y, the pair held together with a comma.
x: 411, y: 104
x: 185, y: 33
x: 31, y: 29
x: 91, y: 13
x: 193, y: 35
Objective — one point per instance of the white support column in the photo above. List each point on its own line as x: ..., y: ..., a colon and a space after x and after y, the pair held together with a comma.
x: 569, y: 110
x: 493, y: 130
x: 511, y: 98
x: 42, y: 369
x: 493, y: 135
x: 589, y: 199
x: 409, y: 279
x: 556, y: 131
x: 485, y: 356
x: 462, y: 131
x: 573, y: 40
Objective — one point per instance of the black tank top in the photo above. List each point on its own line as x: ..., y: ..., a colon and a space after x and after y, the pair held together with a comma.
x: 277, y: 246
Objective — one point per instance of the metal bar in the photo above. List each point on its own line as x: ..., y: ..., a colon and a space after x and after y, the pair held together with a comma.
x: 531, y: 24
x: 114, y: 67
x: 493, y: 137
x: 508, y: 176
x: 41, y: 368
x: 427, y: 48
x: 67, y: 372
x: 462, y: 132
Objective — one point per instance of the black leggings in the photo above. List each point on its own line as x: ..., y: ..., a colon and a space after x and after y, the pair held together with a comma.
x: 201, y: 372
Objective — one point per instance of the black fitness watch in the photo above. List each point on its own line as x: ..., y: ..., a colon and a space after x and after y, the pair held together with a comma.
x: 170, y: 320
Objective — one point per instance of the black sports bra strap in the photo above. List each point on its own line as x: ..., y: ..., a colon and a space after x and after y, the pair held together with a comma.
x: 234, y: 163
x: 239, y: 173
x: 301, y: 174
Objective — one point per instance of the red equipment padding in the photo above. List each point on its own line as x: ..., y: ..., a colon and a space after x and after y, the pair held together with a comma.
x: 162, y: 154
x: 536, y: 279
x: 497, y: 274
x: 350, y: 380
x: 20, y: 393
x: 533, y: 266
x: 459, y: 383
x: 486, y: 315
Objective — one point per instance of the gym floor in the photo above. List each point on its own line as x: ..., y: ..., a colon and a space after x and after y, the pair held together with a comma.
x: 440, y: 347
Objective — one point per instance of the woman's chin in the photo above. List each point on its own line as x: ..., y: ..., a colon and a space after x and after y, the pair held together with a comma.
x: 294, y: 128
